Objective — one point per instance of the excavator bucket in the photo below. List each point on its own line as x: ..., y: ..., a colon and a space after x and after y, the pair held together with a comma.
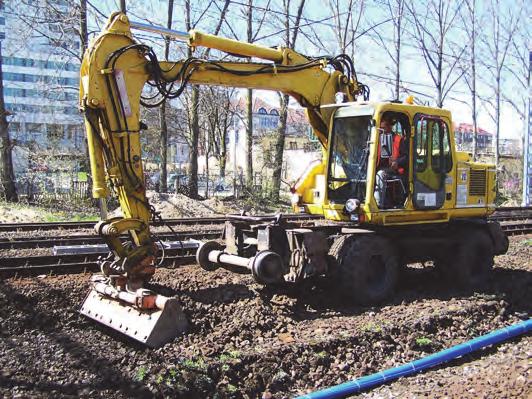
x: 152, y: 327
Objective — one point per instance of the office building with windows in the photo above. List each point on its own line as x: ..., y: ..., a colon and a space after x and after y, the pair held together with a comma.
x: 41, y: 79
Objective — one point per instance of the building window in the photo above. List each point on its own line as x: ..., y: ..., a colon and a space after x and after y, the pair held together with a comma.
x: 26, y: 77
x: 274, y: 112
x: 262, y: 111
x: 293, y: 145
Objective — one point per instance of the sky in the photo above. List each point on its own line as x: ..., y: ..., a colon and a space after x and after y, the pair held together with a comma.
x: 369, y: 57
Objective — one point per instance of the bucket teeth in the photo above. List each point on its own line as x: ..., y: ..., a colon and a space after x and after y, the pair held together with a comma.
x: 153, y: 327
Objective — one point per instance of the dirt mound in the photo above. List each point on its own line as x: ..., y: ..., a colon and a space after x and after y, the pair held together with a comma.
x: 181, y: 206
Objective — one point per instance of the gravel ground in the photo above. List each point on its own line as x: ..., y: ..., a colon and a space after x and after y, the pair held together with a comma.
x: 247, y: 341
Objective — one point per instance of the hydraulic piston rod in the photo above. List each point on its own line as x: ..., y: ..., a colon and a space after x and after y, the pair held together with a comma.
x: 195, y: 38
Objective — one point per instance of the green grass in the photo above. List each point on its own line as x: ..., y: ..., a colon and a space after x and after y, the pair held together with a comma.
x: 423, y: 341
x: 231, y: 388
x: 198, y: 364
x: 372, y: 327
x: 37, y: 213
x: 230, y: 356
x: 141, y: 373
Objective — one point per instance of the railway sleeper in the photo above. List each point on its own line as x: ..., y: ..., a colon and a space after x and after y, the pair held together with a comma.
x: 363, y: 264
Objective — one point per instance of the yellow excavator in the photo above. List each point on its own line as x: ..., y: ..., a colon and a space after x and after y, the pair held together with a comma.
x: 378, y: 219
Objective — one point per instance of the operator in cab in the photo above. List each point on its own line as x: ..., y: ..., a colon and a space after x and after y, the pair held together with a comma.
x: 392, y: 165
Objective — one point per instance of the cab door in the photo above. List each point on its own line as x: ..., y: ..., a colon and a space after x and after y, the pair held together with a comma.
x: 431, y: 161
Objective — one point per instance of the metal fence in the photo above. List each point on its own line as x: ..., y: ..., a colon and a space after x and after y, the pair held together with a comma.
x: 49, y: 186
x: 65, y: 186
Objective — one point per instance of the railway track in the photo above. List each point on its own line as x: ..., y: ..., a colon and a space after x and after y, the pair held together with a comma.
x: 91, y: 239
x: 64, y: 264
x: 18, y: 227
x: 514, y: 221
x: 520, y: 217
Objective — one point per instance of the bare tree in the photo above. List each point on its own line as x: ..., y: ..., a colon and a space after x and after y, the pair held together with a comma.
x: 347, y: 17
x: 252, y: 32
x: 249, y: 106
x: 498, y: 42
x: 432, y: 30
x: 195, y: 104
x: 7, y: 175
x: 469, y: 21
x: 218, y: 109
x: 83, y: 32
x: 162, y: 110
x: 290, y: 37
x: 396, y: 9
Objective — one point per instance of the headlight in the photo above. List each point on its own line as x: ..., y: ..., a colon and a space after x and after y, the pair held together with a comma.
x: 352, y: 205
x: 295, y: 199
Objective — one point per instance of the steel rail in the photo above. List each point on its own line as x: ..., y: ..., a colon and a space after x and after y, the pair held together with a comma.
x: 90, y: 239
x: 172, y: 222
x: 60, y: 264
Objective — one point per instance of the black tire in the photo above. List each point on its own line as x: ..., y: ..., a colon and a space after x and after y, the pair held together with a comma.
x: 470, y: 260
x: 366, y: 267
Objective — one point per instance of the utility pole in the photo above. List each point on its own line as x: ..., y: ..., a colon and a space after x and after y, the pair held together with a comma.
x: 123, y: 6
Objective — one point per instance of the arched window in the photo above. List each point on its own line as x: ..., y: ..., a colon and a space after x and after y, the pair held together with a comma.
x: 274, y: 112
x: 262, y: 110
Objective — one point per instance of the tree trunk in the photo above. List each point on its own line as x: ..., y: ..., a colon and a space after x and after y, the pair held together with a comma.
x: 163, y: 149
x: 283, y: 115
x: 249, y: 107
x: 497, y: 119
x: 123, y: 6
x: 84, y: 36
x: 473, y: 81
x: 194, y: 133
x: 474, y: 109
x: 279, y: 148
x: 7, y: 174
x: 398, y: 49
x: 83, y: 26
x: 249, y: 140
x: 207, y: 170
x: 192, y: 186
x: 222, y: 160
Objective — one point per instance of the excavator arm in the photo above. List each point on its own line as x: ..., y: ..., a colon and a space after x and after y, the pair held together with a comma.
x: 114, y: 74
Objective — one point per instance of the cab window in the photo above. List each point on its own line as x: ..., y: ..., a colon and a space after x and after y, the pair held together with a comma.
x: 421, y: 145
x: 441, y: 149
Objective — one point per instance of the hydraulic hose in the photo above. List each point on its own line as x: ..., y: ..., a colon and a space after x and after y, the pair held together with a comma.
x: 373, y: 380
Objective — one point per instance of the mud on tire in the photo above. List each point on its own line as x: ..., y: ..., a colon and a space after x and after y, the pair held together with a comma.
x: 366, y: 267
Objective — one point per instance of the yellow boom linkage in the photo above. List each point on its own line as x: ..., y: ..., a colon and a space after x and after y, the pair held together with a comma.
x: 114, y: 71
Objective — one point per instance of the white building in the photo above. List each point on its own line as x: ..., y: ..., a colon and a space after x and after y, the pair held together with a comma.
x: 300, y: 148
x: 41, y: 79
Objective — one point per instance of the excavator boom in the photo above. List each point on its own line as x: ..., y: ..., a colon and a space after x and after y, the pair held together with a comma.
x: 114, y: 72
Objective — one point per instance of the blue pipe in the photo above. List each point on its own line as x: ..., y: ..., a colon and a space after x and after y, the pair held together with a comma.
x: 373, y: 380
